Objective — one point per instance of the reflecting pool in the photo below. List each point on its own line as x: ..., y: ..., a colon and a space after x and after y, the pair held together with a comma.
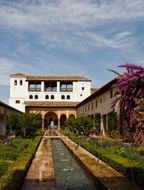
x: 70, y: 175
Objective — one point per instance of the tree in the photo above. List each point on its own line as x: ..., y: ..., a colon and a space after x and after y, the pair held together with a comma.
x: 130, y: 94
x: 24, y: 125
x: 81, y: 125
x: 97, y: 122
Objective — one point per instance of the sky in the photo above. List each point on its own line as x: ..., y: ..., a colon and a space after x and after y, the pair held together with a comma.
x: 69, y: 37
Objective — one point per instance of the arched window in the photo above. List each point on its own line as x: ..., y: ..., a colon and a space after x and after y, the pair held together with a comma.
x: 46, y: 96
x: 36, y: 96
x: 15, y: 82
x: 68, y: 97
x: 52, y: 96
x: 30, y: 96
x: 63, y: 97
x: 21, y: 82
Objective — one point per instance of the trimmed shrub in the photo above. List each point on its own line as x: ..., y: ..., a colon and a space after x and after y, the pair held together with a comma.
x: 14, y: 176
x: 81, y: 125
x: 112, y: 117
x: 123, y: 160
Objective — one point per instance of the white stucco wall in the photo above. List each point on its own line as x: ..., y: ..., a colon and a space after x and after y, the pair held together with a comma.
x: 18, y: 93
x: 21, y: 93
x: 103, y: 105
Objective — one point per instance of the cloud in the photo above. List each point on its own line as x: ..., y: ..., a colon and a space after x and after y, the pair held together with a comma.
x: 8, y: 67
x: 61, y: 22
x: 76, y: 13
x: 123, y: 41
x: 24, y: 48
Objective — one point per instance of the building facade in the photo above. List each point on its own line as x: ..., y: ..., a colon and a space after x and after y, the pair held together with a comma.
x: 58, y: 98
x: 100, y: 103
x: 5, y: 110
x: 55, y: 97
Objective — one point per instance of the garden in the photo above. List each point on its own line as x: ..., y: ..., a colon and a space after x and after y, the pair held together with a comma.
x: 125, y: 155
x: 18, y: 151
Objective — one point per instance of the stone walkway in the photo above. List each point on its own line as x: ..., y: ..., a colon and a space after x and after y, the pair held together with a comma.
x: 41, y: 174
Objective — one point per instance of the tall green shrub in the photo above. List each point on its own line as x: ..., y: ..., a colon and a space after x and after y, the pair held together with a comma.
x: 97, y: 122
x: 81, y: 125
x: 112, y: 116
x: 24, y: 125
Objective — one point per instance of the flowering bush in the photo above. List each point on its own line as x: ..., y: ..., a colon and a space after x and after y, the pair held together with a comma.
x: 130, y: 94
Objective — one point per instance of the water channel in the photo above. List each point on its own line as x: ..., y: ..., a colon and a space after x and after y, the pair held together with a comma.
x: 70, y: 175
x: 56, y: 168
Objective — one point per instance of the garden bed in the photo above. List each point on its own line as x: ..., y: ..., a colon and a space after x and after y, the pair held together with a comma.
x: 16, y: 158
x: 127, y: 160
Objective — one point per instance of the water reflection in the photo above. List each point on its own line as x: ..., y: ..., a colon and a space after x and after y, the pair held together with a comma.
x: 69, y: 173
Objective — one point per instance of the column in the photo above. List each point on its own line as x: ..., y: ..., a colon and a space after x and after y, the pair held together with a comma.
x: 67, y: 114
x: 58, y: 123
x: 102, y: 126
x: 106, y: 122
x: 42, y: 123
x: 42, y: 86
x: 58, y: 119
x: 119, y: 119
x: 58, y: 86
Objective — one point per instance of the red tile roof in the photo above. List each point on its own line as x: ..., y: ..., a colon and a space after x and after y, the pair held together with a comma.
x: 51, y: 77
x: 58, y: 78
x: 18, y: 75
x: 2, y: 104
x: 50, y: 104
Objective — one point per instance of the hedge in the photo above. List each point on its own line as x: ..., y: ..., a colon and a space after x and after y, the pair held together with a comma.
x: 15, y: 174
x: 132, y: 169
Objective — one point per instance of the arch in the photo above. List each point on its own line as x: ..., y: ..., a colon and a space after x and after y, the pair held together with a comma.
x: 71, y: 116
x: 15, y: 82
x: 68, y: 97
x: 49, y: 118
x: 36, y: 96
x: 46, y: 96
x: 21, y: 82
x: 63, y: 97
x: 63, y: 121
x: 52, y: 96
x: 30, y: 96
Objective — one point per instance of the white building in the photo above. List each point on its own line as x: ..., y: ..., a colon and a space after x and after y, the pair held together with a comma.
x: 64, y: 89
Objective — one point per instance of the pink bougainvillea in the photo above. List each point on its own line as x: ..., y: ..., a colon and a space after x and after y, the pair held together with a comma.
x: 130, y: 91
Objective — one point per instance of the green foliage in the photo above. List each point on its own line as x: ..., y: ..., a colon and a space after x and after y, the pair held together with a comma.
x: 127, y: 160
x: 24, y: 125
x: 82, y: 125
x: 16, y: 172
x: 3, y: 168
x: 97, y: 122
x: 13, y: 123
x: 112, y: 122
x: 11, y: 151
